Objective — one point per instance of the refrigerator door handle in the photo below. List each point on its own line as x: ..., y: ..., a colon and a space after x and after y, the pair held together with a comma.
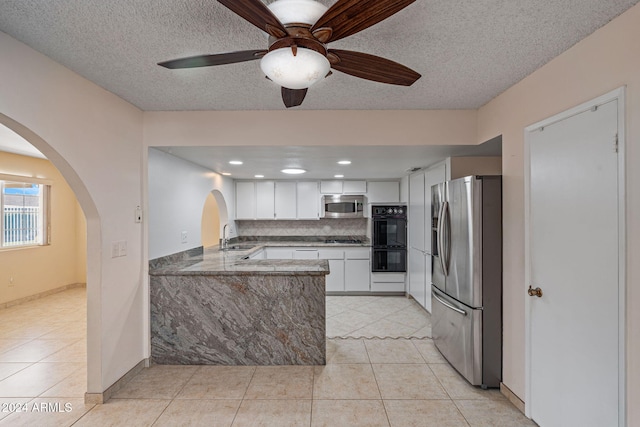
x: 446, y: 304
x: 445, y: 253
x: 439, y: 242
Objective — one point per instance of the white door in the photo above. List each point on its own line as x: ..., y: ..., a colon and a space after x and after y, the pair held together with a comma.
x: 573, y: 258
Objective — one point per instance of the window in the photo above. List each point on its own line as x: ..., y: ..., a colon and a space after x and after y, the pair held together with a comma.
x: 25, y: 213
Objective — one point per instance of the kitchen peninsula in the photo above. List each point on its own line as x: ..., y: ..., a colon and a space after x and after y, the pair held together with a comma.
x: 210, y: 306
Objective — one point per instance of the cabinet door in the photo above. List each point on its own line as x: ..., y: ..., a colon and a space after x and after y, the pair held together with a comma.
x: 356, y: 275
x: 427, y: 282
x: 331, y: 187
x: 285, y: 200
x: 265, y: 200
x: 416, y: 215
x: 279, y: 253
x: 245, y: 200
x: 417, y: 287
x: 335, y: 278
x: 383, y: 192
x: 354, y: 187
x: 308, y: 200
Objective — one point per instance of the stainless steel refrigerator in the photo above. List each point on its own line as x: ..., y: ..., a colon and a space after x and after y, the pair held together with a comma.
x: 466, y: 295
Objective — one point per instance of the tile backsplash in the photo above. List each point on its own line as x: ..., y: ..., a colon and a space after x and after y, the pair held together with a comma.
x: 321, y: 227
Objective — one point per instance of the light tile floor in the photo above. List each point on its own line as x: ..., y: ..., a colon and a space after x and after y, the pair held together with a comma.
x: 376, y: 317
x: 366, y: 382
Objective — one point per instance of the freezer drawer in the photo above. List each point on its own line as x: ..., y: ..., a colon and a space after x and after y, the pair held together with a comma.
x: 456, y: 331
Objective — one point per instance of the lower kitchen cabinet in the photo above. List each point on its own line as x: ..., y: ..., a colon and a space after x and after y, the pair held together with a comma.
x: 279, y: 253
x: 335, y: 278
x: 356, y: 275
x: 417, y: 270
x: 357, y: 268
x: 349, y: 268
x: 388, y: 282
x: 334, y: 281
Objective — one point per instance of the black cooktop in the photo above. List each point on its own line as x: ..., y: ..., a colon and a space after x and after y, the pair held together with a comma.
x: 345, y: 241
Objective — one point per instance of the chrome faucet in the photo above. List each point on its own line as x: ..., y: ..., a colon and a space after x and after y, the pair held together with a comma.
x: 224, y: 242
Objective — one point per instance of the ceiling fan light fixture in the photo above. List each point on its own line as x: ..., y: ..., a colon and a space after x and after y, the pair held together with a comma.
x: 298, y: 71
x: 297, y: 11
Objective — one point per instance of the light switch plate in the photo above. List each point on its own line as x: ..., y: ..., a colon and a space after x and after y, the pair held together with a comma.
x: 183, y: 237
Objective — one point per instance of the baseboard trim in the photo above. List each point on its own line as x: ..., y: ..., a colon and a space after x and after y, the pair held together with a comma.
x: 511, y: 396
x: 41, y: 295
x: 100, y: 398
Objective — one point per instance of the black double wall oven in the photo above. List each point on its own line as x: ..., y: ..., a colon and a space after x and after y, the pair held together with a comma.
x: 389, y: 237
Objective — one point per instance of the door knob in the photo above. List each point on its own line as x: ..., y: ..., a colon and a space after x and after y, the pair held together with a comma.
x: 537, y: 292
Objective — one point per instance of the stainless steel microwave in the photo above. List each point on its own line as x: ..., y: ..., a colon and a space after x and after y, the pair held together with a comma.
x: 340, y: 206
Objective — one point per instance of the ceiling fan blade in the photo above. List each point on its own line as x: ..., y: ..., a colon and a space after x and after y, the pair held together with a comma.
x: 258, y: 14
x: 217, y: 59
x: 347, y: 17
x: 371, y: 67
x: 293, y: 97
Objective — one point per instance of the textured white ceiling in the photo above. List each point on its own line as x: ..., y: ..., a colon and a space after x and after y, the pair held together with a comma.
x: 467, y: 51
x: 367, y: 162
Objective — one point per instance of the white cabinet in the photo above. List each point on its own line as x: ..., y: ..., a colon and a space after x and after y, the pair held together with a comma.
x: 357, y: 269
x: 354, y: 187
x: 334, y: 281
x: 279, y: 253
x: 245, y: 200
x: 420, y: 184
x: 285, y: 200
x: 343, y: 187
x: 265, y: 200
x: 417, y: 284
x: 416, y: 214
x: 383, y: 192
x: 308, y: 200
x: 388, y: 282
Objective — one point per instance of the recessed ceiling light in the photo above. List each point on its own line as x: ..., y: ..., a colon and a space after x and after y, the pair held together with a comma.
x: 259, y: 176
x: 226, y: 173
x: 344, y: 162
x: 235, y: 162
x: 338, y: 176
x: 293, y: 171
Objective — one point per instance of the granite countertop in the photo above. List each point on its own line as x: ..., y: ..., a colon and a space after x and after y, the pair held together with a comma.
x: 214, y: 261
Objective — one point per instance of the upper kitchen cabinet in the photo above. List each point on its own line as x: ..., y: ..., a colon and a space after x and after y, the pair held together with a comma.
x: 383, y: 192
x: 331, y: 187
x: 277, y: 200
x: 265, y: 200
x: 308, y: 200
x: 343, y: 187
x: 354, y: 187
x: 245, y: 200
x: 285, y: 200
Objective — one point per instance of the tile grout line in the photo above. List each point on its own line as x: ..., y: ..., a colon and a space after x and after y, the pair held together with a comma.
x: 375, y: 377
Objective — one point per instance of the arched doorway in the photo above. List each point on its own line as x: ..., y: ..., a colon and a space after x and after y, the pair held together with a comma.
x: 214, y: 217
x: 93, y: 245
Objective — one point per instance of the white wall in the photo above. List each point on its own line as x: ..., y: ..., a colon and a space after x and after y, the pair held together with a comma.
x: 177, y: 192
x: 604, y: 61
x: 94, y: 140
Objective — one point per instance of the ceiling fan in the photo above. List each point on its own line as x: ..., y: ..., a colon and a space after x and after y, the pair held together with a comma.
x: 299, y: 30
